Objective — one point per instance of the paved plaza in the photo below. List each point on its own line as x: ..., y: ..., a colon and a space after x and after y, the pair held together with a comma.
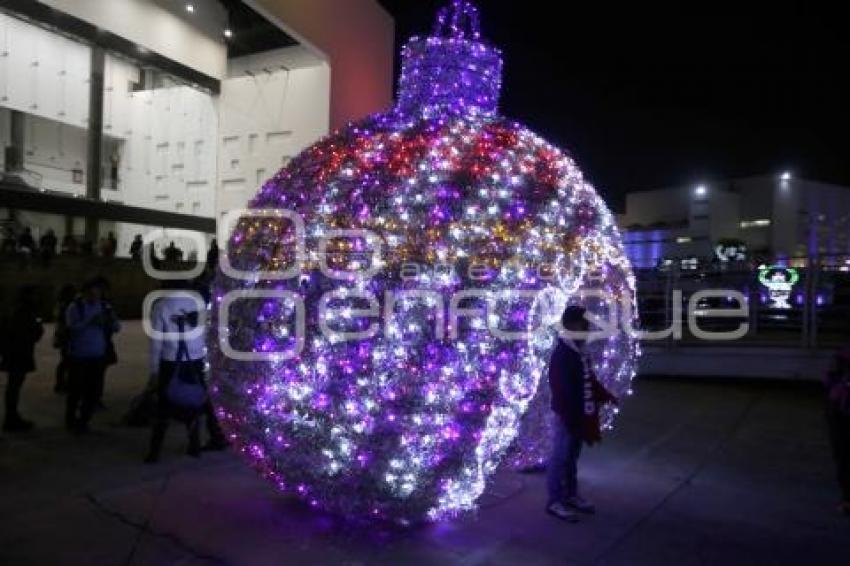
x: 695, y: 473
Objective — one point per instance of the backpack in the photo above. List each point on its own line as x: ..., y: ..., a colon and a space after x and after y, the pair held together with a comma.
x: 186, y: 388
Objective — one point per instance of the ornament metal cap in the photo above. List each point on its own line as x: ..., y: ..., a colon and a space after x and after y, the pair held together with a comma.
x: 453, y: 71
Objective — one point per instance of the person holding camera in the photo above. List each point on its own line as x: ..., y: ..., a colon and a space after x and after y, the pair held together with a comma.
x: 838, y: 420
x: 91, y: 322
x: 177, y: 364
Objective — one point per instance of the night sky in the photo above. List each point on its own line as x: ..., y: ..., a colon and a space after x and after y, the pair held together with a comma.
x: 651, y: 94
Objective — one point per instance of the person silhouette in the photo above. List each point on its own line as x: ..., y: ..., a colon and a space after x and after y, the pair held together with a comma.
x: 177, y: 360
x: 20, y: 334
x: 576, y: 398
x: 136, y: 248
x: 91, y: 323
x: 61, y: 336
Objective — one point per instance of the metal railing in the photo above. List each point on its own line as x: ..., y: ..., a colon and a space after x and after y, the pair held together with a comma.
x: 814, y: 315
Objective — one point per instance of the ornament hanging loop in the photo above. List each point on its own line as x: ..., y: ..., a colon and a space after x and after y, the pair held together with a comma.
x: 459, y: 20
x: 452, y: 71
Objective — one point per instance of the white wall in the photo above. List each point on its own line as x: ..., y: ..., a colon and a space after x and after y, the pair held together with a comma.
x: 166, y: 138
x: 54, y: 151
x: 179, y: 149
x: 266, y: 120
x: 165, y: 142
x: 5, y: 117
x: 161, y: 27
x: 43, y: 74
x: 295, y: 57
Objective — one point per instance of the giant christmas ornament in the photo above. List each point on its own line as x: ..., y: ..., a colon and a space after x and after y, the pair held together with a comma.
x: 445, y: 241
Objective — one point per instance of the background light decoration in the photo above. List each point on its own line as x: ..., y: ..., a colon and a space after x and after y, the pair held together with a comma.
x: 408, y: 423
x: 780, y: 282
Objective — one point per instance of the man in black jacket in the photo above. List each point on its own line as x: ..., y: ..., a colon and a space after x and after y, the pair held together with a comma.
x: 21, y: 333
x: 568, y: 378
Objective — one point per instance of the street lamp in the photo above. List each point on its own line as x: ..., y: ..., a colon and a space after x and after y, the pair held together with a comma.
x: 701, y: 191
x: 787, y: 176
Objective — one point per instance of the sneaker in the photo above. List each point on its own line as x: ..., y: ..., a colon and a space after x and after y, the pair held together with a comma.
x: 581, y: 505
x: 560, y: 511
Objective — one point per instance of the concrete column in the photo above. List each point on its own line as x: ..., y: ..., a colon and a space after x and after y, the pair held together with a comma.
x: 95, y: 136
x: 69, y: 225
x: 15, y: 151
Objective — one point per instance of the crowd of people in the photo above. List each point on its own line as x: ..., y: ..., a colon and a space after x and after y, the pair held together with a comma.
x: 85, y: 326
x: 83, y: 337
x: 24, y: 246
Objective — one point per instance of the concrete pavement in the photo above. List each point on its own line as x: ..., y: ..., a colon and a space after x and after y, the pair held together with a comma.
x: 695, y: 473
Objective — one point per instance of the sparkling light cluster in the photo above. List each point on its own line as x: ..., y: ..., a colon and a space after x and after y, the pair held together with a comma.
x: 451, y: 72
x: 409, y: 422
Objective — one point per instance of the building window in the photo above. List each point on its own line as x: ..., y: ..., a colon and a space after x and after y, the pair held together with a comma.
x: 149, y: 119
x: 747, y: 224
x: 44, y: 90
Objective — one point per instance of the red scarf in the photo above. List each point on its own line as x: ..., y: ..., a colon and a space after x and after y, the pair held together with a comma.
x: 595, y: 397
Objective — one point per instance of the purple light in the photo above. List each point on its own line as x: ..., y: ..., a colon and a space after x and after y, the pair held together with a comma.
x: 406, y: 424
x: 451, y: 72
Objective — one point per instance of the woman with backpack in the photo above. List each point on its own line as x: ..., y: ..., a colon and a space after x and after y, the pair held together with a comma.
x: 838, y: 419
x: 21, y: 332
x: 177, y: 365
